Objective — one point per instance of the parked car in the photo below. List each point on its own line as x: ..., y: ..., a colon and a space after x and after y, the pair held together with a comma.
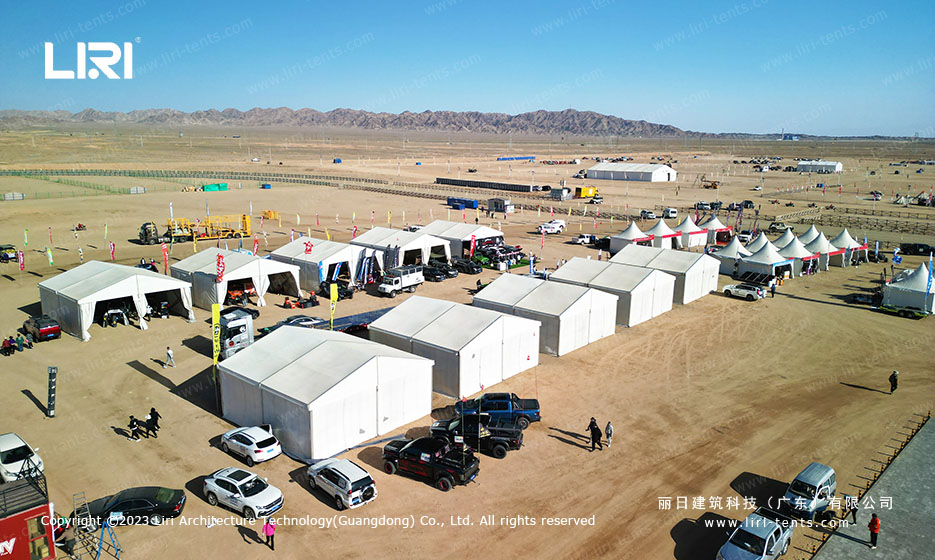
x: 242, y: 491
x: 763, y: 535
x: 748, y: 292
x: 255, y: 313
x: 702, y: 205
x: 748, y: 204
x: 744, y: 236
x: 596, y: 199
x: 915, y: 248
x: 602, y: 243
x: 647, y: 215
x: 552, y: 226
x: 42, y: 328
x: 777, y: 227
x: 344, y: 481
x: 670, y: 213
x: 433, y: 274
x: 17, y: 459
x: 324, y: 290
x: 503, y: 405
x: 7, y: 253
x: 478, y: 432
x: 758, y: 188
x: 145, y: 505
x: 255, y: 444
x: 864, y: 298
x: 584, y: 239
x: 811, y: 491
x: 450, y: 271
x: 441, y: 463
x: 466, y: 266
x: 877, y: 258
x: 294, y: 321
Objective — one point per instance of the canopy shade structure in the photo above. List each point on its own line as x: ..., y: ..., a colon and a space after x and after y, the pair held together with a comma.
x: 784, y: 239
x: 718, y: 233
x: 910, y: 290
x: 323, y: 392
x: 848, y: 246
x: 809, y: 235
x: 824, y: 249
x: 664, y: 236
x: 692, y: 235
x: 570, y: 316
x: 765, y: 261
x: 394, y: 247
x: 459, y: 234
x: 239, y: 268
x: 71, y: 297
x: 796, y: 250
x: 473, y: 348
x: 642, y: 293
x: 630, y: 235
x: 653, y: 172
x: 759, y: 242
x: 327, y: 260
x: 729, y: 256
x: 695, y: 274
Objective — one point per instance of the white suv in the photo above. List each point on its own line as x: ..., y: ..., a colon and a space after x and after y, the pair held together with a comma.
x: 748, y: 292
x: 552, y: 226
x: 17, y: 459
x: 647, y: 215
x: 242, y: 491
x: 255, y: 444
x: 344, y: 480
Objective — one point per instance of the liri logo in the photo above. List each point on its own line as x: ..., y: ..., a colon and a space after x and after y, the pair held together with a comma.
x: 103, y: 63
x: 6, y: 547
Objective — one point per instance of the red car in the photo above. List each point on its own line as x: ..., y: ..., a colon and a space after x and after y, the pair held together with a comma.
x: 42, y: 328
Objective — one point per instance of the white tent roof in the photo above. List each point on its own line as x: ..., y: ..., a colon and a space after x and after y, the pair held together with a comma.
x: 688, y: 226
x: 580, y: 270
x: 549, y: 298
x: 733, y: 250
x: 630, y: 167
x: 621, y: 277
x: 413, y: 315
x: 809, y: 235
x: 459, y: 230
x: 458, y: 326
x: 96, y: 280
x: 820, y: 245
x: 205, y: 261
x: 661, y: 229
x: 767, y: 255
x: 784, y: 239
x: 914, y: 281
x: 383, y: 238
x: 322, y: 249
x: 636, y: 255
x: 795, y: 250
x: 714, y: 224
x: 508, y: 289
x: 666, y: 260
x: 632, y: 233
x: 759, y: 242
x: 844, y: 240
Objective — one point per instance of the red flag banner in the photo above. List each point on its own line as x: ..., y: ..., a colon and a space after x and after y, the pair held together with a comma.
x: 473, y: 244
x: 113, y: 249
x: 165, y: 258
x: 542, y: 243
x: 256, y: 244
x: 221, y: 267
x: 22, y: 260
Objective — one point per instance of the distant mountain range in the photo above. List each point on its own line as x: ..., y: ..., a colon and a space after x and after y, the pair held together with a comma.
x: 568, y: 122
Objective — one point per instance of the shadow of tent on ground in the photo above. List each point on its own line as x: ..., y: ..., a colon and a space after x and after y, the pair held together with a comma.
x: 200, y: 390
x: 200, y: 344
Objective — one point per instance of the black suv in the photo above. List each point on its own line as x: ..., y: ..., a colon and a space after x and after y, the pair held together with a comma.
x: 450, y: 271
x: 466, y: 266
x: 324, y: 290
x: 480, y: 434
x: 440, y: 462
x: 915, y: 248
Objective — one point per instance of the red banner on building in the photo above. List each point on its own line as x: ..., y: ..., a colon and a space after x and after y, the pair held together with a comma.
x: 473, y: 244
x: 221, y: 267
x: 308, y: 247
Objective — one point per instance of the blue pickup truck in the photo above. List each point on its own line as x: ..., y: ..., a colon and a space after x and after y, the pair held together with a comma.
x: 503, y: 406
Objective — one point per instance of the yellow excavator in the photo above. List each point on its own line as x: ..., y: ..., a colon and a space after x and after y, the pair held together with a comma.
x: 709, y: 184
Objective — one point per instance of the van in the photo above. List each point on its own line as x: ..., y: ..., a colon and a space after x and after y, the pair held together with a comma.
x: 236, y: 332
x: 811, y: 491
x: 670, y: 213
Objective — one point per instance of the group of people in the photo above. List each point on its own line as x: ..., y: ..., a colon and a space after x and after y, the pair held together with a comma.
x: 596, y: 434
x: 150, y: 424
x: 11, y: 345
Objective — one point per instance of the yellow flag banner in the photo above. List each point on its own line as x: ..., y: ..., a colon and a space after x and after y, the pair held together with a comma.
x: 216, y: 329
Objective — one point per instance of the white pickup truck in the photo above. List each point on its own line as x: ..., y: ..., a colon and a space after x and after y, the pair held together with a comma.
x: 763, y: 535
x: 401, y: 278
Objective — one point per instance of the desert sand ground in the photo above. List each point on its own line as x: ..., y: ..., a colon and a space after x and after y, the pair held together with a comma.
x: 718, y: 398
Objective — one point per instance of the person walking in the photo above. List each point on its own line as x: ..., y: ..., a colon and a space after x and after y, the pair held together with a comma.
x: 148, y: 426
x: 170, y: 361
x: 134, y: 426
x: 609, y: 432
x: 155, y: 417
x: 894, y: 381
x: 29, y: 340
x: 595, y: 434
x: 269, y: 531
x: 874, y: 527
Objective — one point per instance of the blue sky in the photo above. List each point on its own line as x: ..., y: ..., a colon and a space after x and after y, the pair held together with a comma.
x: 751, y: 66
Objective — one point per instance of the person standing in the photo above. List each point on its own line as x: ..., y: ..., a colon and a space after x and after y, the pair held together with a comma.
x: 850, y: 507
x: 609, y: 432
x: 595, y: 434
x: 19, y: 342
x: 269, y: 531
x: 156, y: 417
x: 874, y: 527
x: 170, y: 361
x: 772, y: 289
x: 894, y: 381
x: 134, y: 426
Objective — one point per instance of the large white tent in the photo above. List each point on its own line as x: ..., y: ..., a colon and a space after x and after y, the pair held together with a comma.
x: 799, y: 253
x: 71, y: 297
x: 784, y: 239
x: 322, y: 391
x: 266, y: 275
x: 631, y: 235
x: 809, y: 235
x: 692, y: 235
x: 571, y: 316
x: 653, y: 172
x: 459, y: 234
x: 695, y: 274
x: 911, y: 289
x: 394, y: 247
x: 765, y: 261
x: 664, y: 236
x: 324, y: 260
x: 642, y: 293
x: 718, y: 233
x: 473, y: 348
x: 729, y: 256
x: 824, y: 249
x: 849, y: 245
x: 819, y: 166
